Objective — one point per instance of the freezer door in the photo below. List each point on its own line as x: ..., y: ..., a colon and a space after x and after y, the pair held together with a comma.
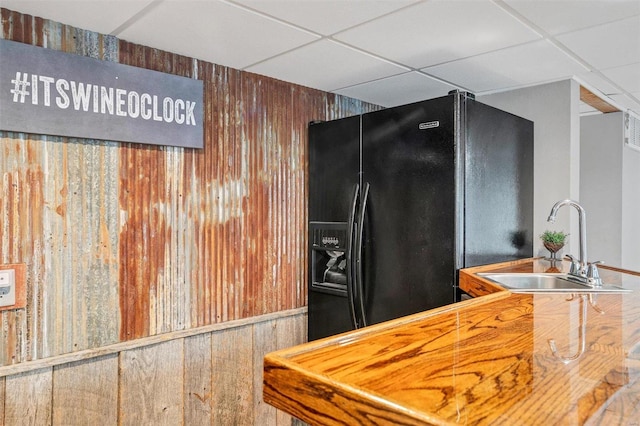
x: 408, y: 260
x: 334, y: 160
x: 498, y: 186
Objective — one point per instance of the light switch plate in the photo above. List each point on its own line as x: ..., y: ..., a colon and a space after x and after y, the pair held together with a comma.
x: 7, y: 287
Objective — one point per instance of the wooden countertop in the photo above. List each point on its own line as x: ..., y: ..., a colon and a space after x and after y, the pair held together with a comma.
x: 486, y: 360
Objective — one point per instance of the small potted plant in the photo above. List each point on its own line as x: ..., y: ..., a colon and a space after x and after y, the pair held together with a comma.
x: 553, y: 241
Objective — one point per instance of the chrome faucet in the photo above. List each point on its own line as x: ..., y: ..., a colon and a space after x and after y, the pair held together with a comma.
x: 580, y: 267
x: 582, y: 219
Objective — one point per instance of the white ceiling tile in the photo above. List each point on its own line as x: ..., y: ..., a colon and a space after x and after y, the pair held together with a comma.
x: 527, y: 64
x: 398, y: 90
x: 607, y: 45
x: 439, y: 31
x: 627, y: 76
x: 557, y: 17
x: 325, y: 17
x: 102, y: 16
x: 326, y: 65
x: 214, y: 31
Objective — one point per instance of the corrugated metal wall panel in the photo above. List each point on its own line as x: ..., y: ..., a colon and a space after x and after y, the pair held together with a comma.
x: 128, y: 240
x: 61, y: 228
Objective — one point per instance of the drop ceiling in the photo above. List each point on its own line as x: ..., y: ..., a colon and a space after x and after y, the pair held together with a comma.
x: 388, y: 52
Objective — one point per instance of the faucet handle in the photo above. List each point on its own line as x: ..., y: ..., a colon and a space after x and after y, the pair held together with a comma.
x: 593, y: 276
x: 575, y: 264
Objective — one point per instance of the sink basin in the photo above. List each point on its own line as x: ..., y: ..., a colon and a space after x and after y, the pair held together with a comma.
x: 560, y: 283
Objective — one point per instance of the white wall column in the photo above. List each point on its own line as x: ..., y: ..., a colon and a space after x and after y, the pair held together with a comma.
x: 601, y: 184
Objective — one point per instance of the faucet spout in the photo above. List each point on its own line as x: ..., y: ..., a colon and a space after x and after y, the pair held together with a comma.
x: 582, y: 223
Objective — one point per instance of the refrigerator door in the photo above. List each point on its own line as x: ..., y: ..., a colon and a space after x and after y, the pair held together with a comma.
x: 408, y: 259
x: 334, y: 161
x: 498, y: 186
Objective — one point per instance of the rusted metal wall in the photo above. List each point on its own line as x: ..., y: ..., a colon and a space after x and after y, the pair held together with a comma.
x: 123, y: 241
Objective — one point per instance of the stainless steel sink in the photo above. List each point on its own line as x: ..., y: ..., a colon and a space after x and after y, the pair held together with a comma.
x: 540, y: 282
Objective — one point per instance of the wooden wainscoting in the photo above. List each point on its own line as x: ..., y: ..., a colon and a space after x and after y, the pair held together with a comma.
x: 209, y: 376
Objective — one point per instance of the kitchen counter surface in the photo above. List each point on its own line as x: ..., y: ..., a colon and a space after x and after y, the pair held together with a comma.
x: 488, y: 360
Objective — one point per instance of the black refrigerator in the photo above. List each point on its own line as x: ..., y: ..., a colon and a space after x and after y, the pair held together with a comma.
x: 400, y: 199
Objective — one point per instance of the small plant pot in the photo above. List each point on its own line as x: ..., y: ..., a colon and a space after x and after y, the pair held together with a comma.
x: 553, y: 248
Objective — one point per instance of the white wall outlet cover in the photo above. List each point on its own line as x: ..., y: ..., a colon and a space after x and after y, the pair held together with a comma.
x: 7, y: 287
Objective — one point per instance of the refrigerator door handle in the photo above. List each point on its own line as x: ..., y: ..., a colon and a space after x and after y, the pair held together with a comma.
x: 359, y: 286
x: 349, y: 255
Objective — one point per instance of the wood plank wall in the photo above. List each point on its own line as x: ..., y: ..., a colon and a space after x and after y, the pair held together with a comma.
x: 124, y: 241
x: 212, y: 378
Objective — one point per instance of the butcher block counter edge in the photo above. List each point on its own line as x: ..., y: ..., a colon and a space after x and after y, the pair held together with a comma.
x: 302, y: 393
